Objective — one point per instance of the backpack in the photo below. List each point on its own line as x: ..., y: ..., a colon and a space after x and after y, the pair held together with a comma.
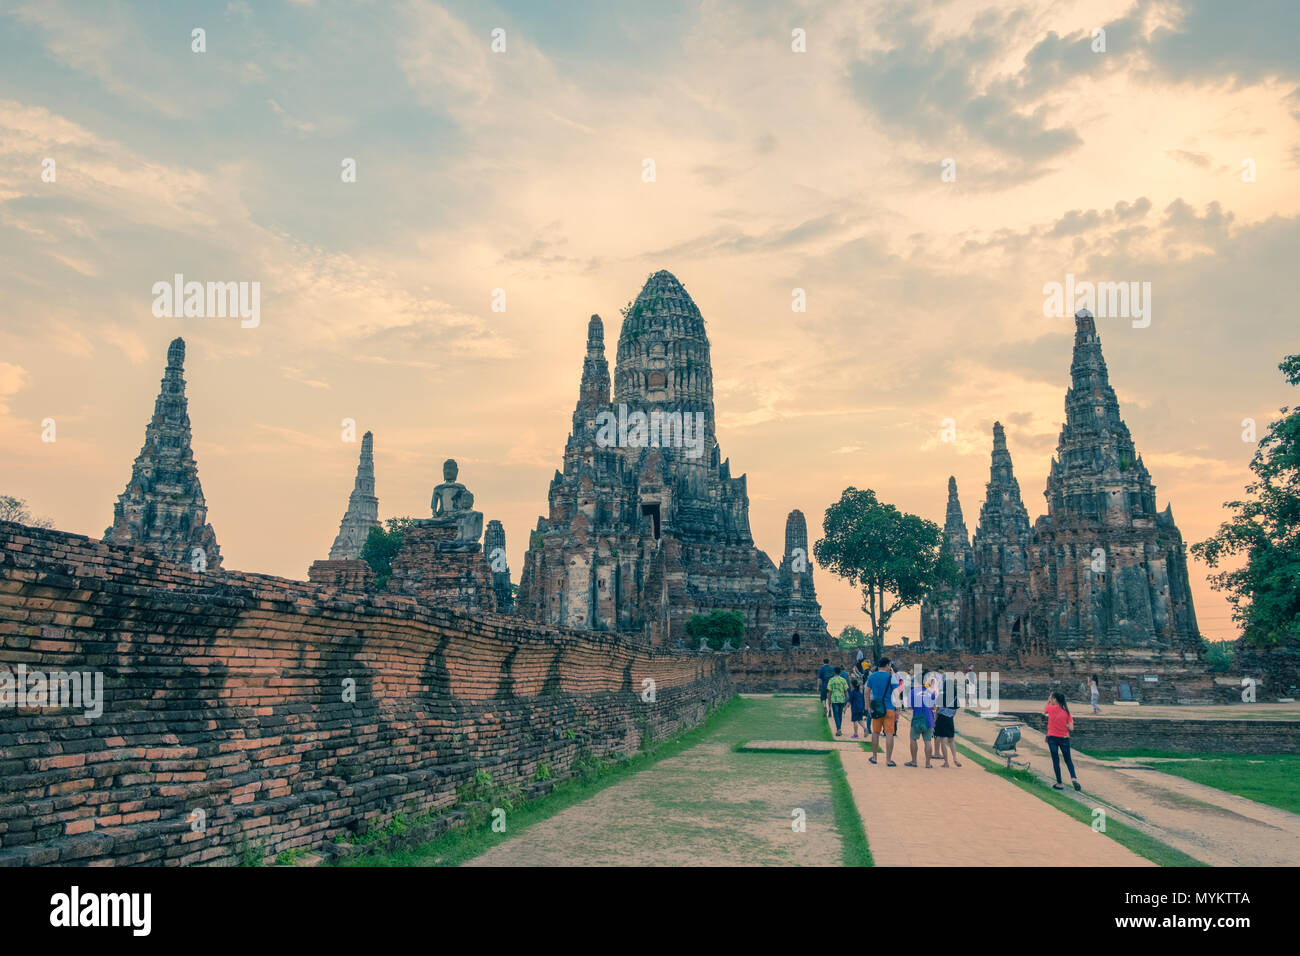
x: 878, y: 707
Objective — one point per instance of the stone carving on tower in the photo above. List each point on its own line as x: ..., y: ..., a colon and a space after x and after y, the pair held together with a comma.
x: 162, y: 507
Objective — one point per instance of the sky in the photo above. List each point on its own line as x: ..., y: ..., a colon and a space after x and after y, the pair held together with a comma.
x: 921, y: 171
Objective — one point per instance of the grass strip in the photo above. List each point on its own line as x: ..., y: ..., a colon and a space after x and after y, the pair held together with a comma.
x: 853, y: 836
x: 476, y: 837
x: 1140, y: 843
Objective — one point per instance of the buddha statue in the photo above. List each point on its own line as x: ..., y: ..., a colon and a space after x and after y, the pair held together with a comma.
x: 453, y: 507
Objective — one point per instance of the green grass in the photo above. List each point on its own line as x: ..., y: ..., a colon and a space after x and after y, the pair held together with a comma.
x: 466, y: 842
x: 1264, y: 778
x: 1137, y: 754
x: 848, y: 821
x: 1140, y: 843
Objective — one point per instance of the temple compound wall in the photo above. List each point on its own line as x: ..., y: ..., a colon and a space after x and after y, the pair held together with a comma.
x: 247, y: 711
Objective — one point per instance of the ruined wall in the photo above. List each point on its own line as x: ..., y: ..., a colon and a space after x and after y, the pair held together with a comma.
x: 1217, y: 736
x: 1182, y: 675
x: 225, y: 693
x: 783, y: 672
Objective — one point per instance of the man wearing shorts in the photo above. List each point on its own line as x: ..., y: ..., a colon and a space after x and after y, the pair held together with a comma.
x: 881, y: 685
x: 922, y: 701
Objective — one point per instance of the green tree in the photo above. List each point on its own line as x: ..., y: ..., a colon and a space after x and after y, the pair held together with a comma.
x: 382, y: 546
x: 1265, y: 529
x: 15, y: 509
x: 717, y: 627
x: 895, y: 558
x: 852, y: 637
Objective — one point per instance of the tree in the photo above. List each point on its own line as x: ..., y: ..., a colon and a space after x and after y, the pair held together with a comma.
x: 852, y: 637
x: 382, y: 546
x: 1265, y: 529
x: 893, y: 557
x: 717, y: 627
x: 15, y: 509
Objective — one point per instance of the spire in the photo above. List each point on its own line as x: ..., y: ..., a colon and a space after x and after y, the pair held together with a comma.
x: 663, y: 352
x: 363, y: 507
x: 796, y: 533
x: 1004, y: 522
x: 593, y: 394
x: 1097, y: 471
x: 956, y: 537
x: 494, y: 546
x: 162, y: 506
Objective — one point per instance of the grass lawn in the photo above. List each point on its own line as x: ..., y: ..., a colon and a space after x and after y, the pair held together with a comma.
x: 691, y: 801
x: 1273, y: 779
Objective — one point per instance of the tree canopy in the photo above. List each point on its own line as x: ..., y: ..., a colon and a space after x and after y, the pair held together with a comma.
x: 382, y: 546
x: 717, y: 627
x: 15, y: 509
x: 1265, y: 530
x: 895, y: 558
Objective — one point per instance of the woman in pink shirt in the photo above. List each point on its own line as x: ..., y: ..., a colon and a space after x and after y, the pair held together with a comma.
x: 1059, y: 724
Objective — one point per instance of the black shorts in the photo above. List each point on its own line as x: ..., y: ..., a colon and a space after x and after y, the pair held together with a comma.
x: 943, y: 726
x: 822, y: 689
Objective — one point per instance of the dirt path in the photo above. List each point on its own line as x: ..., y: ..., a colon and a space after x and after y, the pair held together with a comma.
x: 966, y: 817
x: 1213, y: 826
x: 707, y: 806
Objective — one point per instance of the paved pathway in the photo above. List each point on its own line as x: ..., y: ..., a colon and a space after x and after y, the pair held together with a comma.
x: 966, y: 816
x: 1211, y: 825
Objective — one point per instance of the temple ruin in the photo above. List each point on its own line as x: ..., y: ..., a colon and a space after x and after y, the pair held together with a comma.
x: 162, y: 506
x: 646, y: 525
x: 1103, y: 570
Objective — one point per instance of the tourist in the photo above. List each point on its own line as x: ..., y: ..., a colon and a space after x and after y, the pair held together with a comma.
x: 1059, y: 725
x: 823, y: 675
x: 921, y: 703
x: 1094, y: 692
x: 857, y: 706
x: 972, y: 686
x: 837, y: 690
x: 945, y: 727
x: 884, y: 715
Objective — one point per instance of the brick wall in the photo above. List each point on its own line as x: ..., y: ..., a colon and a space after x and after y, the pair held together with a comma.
x: 225, y: 693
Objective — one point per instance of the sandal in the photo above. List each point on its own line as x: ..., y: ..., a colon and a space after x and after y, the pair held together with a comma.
x: 891, y: 764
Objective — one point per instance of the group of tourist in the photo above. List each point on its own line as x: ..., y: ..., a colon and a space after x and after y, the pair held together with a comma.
x: 875, y: 692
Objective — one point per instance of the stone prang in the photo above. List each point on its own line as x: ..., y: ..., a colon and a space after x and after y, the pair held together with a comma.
x: 1101, y: 574
x: 363, y: 508
x: 162, y: 507
x: 646, y: 525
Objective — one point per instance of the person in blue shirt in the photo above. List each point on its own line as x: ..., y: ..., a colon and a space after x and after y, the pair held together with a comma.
x: 922, y: 703
x: 857, y: 707
x: 884, y: 714
x: 824, y: 674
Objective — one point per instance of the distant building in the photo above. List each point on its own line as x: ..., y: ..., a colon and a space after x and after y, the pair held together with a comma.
x: 1102, y: 569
